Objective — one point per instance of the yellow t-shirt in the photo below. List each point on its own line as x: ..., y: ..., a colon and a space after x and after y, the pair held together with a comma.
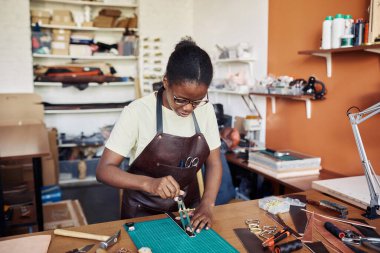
x: 136, y: 126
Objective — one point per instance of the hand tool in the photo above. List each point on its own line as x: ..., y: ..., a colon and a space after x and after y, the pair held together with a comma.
x: 183, y: 213
x: 354, y: 238
x: 342, y: 210
x: 83, y: 249
x: 276, y: 237
x: 280, y: 221
x: 106, y: 241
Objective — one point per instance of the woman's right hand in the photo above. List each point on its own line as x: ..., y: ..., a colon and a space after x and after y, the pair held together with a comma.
x: 165, y: 187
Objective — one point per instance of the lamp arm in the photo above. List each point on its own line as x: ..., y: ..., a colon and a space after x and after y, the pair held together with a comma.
x: 372, y: 181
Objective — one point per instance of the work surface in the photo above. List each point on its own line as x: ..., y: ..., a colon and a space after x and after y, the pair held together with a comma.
x: 294, y: 184
x: 226, y: 218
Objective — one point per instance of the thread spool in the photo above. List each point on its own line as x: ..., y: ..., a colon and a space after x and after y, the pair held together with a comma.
x: 334, y: 230
x: 288, y: 247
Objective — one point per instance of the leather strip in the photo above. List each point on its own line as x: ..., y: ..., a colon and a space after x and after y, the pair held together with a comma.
x: 308, y: 233
x: 316, y: 247
x: 335, y: 242
x: 250, y: 241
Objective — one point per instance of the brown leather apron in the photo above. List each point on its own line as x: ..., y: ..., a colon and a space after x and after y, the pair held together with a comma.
x: 160, y: 158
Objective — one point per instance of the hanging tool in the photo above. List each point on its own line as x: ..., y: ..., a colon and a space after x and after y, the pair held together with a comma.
x: 83, y: 249
x: 280, y: 221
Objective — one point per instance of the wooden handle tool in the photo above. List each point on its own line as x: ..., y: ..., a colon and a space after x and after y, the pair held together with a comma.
x: 76, y: 234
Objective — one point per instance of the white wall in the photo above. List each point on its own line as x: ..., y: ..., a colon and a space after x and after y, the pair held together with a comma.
x: 16, y: 69
x: 227, y: 23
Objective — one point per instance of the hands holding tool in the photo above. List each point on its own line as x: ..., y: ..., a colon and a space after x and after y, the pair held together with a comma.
x: 202, y: 217
x: 165, y: 187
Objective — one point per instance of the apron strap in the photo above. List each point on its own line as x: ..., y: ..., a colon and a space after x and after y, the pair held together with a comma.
x: 197, y: 130
x: 159, y: 125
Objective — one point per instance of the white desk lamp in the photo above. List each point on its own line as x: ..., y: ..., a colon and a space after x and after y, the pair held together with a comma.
x: 372, y: 181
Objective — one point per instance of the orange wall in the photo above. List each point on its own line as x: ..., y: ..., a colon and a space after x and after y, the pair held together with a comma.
x: 296, y: 25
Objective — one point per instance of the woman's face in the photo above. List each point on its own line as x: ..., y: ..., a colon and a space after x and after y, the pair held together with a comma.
x: 184, y: 97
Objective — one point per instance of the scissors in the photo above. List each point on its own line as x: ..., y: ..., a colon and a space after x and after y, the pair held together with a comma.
x: 191, y: 162
x: 184, y: 216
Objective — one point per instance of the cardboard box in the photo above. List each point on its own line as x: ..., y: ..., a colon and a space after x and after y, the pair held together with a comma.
x: 40, y: 21
x: 61, y: 35
x: 110, y: 12
x: 104, y: 21
x: 88, y: 24
x: 60, y: 47
x: 80, y: 50
x: 63, y: 214
x: 50, y: 169
x: 62, y: 17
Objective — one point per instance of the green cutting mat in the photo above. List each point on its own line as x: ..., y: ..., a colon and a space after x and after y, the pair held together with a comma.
x: 164, y: 236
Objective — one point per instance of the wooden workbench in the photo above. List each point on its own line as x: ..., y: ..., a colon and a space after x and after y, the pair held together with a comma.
x: 226, y: 218
x: 283, y: 185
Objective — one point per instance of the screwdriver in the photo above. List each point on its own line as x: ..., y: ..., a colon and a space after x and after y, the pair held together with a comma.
x: 276, y: 238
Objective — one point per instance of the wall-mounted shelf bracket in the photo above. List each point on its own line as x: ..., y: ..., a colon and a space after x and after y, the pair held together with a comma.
x: 328, y: 62
x: 273, y: 97
x: 327, y: 53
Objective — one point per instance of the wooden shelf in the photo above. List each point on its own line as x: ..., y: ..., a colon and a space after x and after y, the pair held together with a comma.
x: 327, y: 53
x: 273, y: 97
x: 237, y: 60
x: 90, y: 3
x: 100, y: 29
x: 233, y: 92
x: 93, y: 57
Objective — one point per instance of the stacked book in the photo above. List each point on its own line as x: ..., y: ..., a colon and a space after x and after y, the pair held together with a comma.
x: 284, y: 164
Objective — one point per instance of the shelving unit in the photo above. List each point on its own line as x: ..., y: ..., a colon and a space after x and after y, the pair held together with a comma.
x: 327, y: 53
x: 66, y: 121
x: 306, y: 99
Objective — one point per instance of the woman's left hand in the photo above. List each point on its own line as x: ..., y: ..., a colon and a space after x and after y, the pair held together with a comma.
x: 202, y: 218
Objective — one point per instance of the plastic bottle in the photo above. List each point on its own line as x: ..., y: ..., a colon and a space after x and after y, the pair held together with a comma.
x: 326, y: 32
x: 337, y: 30
x: 348, y: 24
x: 359, y: 29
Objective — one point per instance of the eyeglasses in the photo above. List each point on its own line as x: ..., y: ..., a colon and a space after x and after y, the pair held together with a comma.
x: 194, y: 103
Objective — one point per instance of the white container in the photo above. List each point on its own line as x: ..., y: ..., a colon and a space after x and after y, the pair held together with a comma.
x: 348, y: 24
x: 326, y: 32
x: 338, y: 26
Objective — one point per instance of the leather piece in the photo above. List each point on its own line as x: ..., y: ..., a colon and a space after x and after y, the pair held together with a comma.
x: 250, y: 241
x: 160, y: 158
x: 298, y: 216
x: 30, y: 244
x: 368, y: 232
x: 308, y: 233
x: 316, y: 247
x: 330, y: 238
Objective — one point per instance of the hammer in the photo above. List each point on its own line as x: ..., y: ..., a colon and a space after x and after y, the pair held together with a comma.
x: 105, y: 240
